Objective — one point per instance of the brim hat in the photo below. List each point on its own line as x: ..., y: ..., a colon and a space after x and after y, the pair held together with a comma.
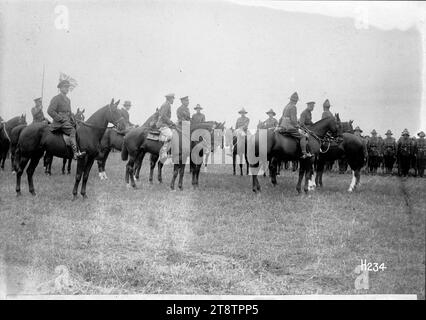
x: 326, y: 104
x: 37, y: 100
x: 198, y: 107
x: 358, y: 129
x: 242, y: 111
x: 184, y: 98
x: 270, y: 111
x: 127, y: 103
x: 421, y: 134
x: 310, y: 103
x: 374, y: 131
x: 170, y: 95
x: 294, y: 97
x: 64, y: 83
x: 389, y: 132
x: 405, y: 132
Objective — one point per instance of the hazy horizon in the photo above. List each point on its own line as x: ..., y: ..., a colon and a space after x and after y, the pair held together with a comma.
x: 223, y: 55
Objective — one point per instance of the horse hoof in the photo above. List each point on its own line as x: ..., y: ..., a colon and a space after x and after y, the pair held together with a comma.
x: 33, y: 193
x: 84, y: 196
x: 69, y: 172
x: 74, y: 197
x: 18, y: 194
x: 150, y: 182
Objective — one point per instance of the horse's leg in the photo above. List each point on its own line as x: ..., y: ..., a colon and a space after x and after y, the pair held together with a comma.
x: 319, y: 173
x: 299, y: 182
x: 20, y: 169
x: 308, y: 175
x: 64, y: 163
x: 197, y: 169
x: 48, y: 159
x: 181, y: 173
x: 193, y: 174
x: 234, y: 159
x: 273, y: 164
x: 138, y: 164
x: 30, y: 172
x: 87, y: 169
x: 175, y: 174
x: 81, y: 163
x: 130, y: 170
x: 69, y: 166
x: 353, y: 182
x: 255, y: 181
x: 153, y: 161
x: 160, y: 168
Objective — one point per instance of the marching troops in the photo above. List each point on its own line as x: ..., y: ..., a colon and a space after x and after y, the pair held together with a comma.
x: 290, y: 125
x: 60, y: 111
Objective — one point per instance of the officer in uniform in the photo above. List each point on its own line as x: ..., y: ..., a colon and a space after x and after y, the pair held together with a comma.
x: 357, y: 132
x: 306, y: 115
x: 37, y: 111
x: 290, y: 125
x: 182, y: 112
x: 241, y: 126
x: 164, y: 124
x: 374, y: 150
x: 60, y: 111
x: 198, y: 117
x: 421, y: 153
x: 271, y: 122
x: 326, y: 107
x: 404, y: 148
x: 125, y: 113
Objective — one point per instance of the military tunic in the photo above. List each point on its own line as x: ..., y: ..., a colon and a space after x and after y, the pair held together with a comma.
x: 60, y: 111
x: 198, y: 118
x: 389, y: 146
x: 164, y: 115
x: 37, y: 113
x: 289, y: 118
x: 404, y: 146
x: 183, y: 114
x: 421, y: 155
x: 126, y: 116
x: 270, y: 123
x: 306, y: 118
x: 327, y: 114
x: 242, y: 122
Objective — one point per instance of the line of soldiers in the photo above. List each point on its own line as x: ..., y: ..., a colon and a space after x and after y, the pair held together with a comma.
x: 288, y: 123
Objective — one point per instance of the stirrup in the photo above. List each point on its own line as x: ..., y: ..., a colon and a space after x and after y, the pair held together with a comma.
x: 306, y: 155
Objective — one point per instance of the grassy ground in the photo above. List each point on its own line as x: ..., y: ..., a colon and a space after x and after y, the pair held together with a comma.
x: 220, y: 239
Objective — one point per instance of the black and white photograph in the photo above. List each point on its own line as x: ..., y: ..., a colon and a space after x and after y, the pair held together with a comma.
x: 215, y: 149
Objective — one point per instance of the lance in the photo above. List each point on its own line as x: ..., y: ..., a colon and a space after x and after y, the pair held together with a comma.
x: 42, y: 84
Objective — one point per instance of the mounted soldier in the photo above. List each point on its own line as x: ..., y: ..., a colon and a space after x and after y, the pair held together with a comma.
x: 326, y: 107
x: 389, y: 151
x: 290, y: 126
x: 60, y: 111
x: 421, y: 153
x: 357, y: 132
x: 198, y: 117
x: 271, y: 122
x: 306, y: 115
x: 37, y: 111
x: 243, y: 121
x: 182, y: 112
x: 125, y: 113
x: 165, y: 125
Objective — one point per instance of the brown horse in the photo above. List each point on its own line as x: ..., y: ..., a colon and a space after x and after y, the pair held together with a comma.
x: 280, y: 147
x: 37, y: 138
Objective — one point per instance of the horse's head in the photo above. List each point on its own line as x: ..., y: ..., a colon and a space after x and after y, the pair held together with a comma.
x: 79, y: 115
x: 114, y: 115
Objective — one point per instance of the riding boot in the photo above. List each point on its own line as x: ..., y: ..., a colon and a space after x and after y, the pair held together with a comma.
x: 163, y: 152
x: 303, y: 144
x: 76, y: 153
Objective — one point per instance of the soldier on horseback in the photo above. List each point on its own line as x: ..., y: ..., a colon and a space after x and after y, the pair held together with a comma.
x: 60, y: 111
x: 198, y: 117
x: 326, y: 107
x: 125, y: 113
x: 165, y: 125
x: 421, y: 153
x: 290, y: 125
x: 271, y: 122
x: 182, y: 112
x: 306, y: 115
x: 37, y: 111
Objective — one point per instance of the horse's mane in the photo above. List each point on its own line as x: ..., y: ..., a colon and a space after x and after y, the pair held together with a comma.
x: 97, y: 112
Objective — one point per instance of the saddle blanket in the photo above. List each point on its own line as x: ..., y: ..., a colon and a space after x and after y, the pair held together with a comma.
x: 153, y: 135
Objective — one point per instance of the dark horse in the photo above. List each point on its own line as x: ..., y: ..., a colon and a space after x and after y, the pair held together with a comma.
x: 348, y: 147
x: 280, y: 147
x: 37, y: 138
x: 6, y: 137
x: 202, y: 135
x: 239, y: 147
x: 48, y: 159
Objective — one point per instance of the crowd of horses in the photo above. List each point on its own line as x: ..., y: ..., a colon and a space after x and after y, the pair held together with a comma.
x: 330, y: 140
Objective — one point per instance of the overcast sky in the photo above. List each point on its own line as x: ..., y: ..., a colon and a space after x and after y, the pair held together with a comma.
x: 366, y: 58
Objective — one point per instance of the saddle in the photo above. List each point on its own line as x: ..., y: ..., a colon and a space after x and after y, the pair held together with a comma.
x: 153, y: 134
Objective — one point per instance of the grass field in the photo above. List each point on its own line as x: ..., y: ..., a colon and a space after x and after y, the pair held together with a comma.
x: 220, y: 239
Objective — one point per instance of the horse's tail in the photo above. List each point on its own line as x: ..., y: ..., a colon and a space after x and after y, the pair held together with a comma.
x: 124, y: 153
